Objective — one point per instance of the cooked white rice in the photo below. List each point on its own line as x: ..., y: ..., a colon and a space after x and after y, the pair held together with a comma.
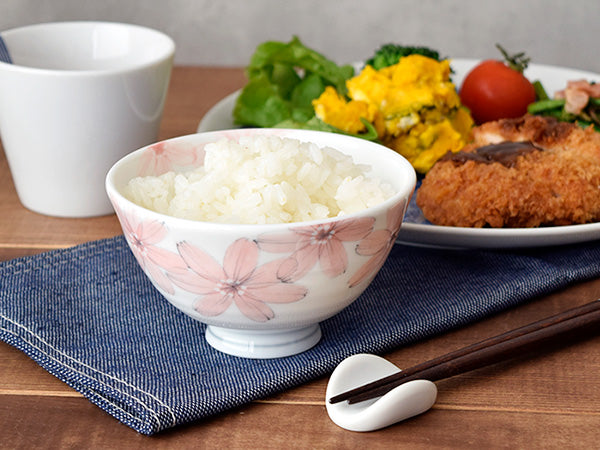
x: 262, y: 179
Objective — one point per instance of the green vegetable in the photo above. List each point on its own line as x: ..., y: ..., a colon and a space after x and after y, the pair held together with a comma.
x: 390, y: 54
x: 556, y: 108
x: 283, y: 79
x: 540, y: 92
x: 546, y: 105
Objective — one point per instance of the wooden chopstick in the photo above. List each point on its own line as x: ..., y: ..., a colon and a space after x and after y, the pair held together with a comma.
x: 550, y: 330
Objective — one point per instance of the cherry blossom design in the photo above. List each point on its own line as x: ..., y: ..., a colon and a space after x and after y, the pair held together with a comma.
x: 377, y: 245
x: 239, y: 280
x: 142, y: 237
x: 321, y: 243
x: 165, y: 156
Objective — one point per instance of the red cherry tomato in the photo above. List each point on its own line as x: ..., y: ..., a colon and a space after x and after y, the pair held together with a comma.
x: 493, y: 91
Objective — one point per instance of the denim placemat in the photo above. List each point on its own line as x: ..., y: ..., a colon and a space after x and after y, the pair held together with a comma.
x: 89, y: 316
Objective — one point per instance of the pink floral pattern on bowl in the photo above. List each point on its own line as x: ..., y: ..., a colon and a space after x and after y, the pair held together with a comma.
x: 239, y: 280
x: 322, y: 243
x: 143, y: 237
x: 378, y: 244
x: 264, y: 287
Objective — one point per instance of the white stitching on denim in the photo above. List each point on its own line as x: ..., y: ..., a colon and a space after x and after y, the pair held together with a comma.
x: 143, y: 404
x: 128, y: 414
x: 22, y: 267
x: 152, y: 412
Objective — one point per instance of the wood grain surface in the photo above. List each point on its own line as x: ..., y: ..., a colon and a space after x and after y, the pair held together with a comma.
x: 550, y: 400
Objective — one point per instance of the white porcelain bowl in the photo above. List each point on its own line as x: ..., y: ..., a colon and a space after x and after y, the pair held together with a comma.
x: 261, y: 304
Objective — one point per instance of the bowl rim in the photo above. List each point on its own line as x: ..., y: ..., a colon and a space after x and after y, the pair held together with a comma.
x: 405, y: 191
x: 165, y: 56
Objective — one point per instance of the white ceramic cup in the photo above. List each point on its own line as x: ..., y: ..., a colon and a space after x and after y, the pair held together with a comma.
x: 77, y: 97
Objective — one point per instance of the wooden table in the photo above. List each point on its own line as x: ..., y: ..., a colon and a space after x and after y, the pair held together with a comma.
x: 549, y: 401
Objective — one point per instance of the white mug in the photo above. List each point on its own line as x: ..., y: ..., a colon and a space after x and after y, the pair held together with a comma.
x: 76, y: 97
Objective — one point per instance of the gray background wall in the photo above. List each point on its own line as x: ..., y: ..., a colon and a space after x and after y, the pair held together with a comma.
x: 225, y: 32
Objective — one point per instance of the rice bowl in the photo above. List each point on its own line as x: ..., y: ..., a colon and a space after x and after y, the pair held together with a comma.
x: 262, y: 288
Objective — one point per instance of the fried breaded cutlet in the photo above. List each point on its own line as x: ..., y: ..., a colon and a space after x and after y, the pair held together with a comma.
x: 527, y: 172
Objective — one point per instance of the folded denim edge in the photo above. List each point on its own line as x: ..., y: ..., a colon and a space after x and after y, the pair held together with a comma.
x: 143, y: 412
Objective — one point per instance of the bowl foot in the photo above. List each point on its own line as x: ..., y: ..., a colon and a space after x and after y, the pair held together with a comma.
x: 262, y: 344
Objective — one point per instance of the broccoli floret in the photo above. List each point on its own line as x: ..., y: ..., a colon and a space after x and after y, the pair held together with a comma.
x: 390, y: 54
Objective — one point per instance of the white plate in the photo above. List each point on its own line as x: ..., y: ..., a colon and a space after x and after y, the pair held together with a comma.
x: 415, y: 230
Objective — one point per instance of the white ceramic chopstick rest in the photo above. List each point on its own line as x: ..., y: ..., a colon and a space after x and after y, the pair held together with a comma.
x: 402, y: 402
